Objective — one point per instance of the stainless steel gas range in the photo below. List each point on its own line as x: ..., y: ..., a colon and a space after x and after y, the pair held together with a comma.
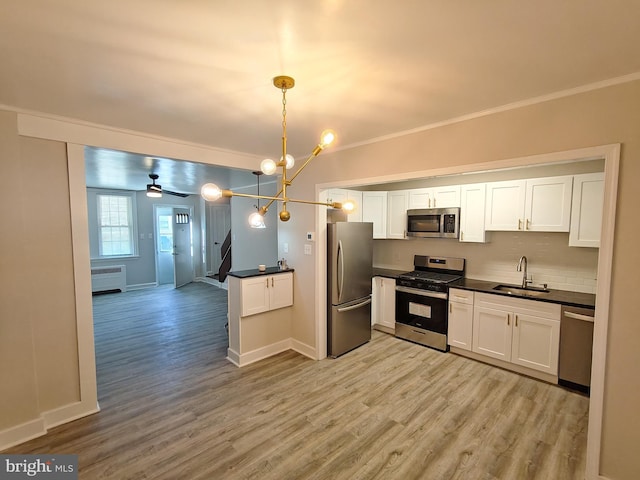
x: 422, y: 298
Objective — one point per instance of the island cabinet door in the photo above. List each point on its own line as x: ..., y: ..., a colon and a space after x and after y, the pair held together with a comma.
x: 255, y: 295
x: 536, y: 343
x: 492, y: 333
x: 281, y: 290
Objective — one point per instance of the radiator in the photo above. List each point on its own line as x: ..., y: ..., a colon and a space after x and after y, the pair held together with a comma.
x: 109, y: 278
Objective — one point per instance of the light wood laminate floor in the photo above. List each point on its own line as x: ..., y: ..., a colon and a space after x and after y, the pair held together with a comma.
x: 174, y: 408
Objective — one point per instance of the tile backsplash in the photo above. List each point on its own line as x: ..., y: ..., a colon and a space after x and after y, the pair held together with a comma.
x: 550, y: 259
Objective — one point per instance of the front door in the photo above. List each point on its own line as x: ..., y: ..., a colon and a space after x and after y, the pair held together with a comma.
x: 182, y: 255
x: 164, y: 244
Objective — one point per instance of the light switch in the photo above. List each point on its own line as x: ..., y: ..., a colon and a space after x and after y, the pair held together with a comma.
x: 307, y: 249
x: 285, y: 247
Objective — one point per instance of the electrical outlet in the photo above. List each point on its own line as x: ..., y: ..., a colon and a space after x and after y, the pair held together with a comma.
x: 307, y: 249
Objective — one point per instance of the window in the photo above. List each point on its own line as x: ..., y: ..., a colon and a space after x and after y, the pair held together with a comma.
x: 116, y: 227
x: 165, y: 233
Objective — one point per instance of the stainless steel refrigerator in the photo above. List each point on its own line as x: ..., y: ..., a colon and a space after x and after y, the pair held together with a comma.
x: 349, y: 272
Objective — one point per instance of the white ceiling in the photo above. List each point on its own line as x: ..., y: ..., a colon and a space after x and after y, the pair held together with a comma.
x: 201, y: 71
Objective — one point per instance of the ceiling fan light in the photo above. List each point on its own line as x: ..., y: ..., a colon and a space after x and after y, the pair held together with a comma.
x: 210, y: 192
x: 268, y: 166
x: 154, y: 190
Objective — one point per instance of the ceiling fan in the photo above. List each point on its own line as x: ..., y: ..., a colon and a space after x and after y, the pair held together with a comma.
x: 154, y: 190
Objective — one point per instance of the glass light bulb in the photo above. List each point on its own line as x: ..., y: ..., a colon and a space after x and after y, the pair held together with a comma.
x: 290, y: 161
x: 256, y: 220
x: 349, y: 206
x: 210, y: 192
x: 327, y: 137
x: 268, y: 166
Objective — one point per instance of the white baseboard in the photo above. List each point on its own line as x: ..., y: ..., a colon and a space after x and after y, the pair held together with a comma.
x: 141, y: 286
x: 24, y: 432
x: 258, y: 354
x: 68, y: 413
x: 233, y: 357
x: 213, y: 281
x: 303, y: 349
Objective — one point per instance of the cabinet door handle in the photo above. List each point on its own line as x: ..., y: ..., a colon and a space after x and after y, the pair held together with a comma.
x: 450, y: 308
x: 272, y: 281
x: 461, y: 236
x: 267, y: 280
x: 516, y: 320
x: 528, y: 224
x: 508, y: 319
x: 519, y: 224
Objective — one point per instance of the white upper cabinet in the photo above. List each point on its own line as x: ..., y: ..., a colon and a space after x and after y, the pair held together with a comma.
x: 446, y: 197
x: 472, y: 209
x: 420, y: 198
x: 586, y: 210
x: 539, y: 204
x: 342, y: 195
x: 435, y: 197
x: 548, y: 204
x: 397, y: 214
x: 505, y: 205
x: 374, y: 209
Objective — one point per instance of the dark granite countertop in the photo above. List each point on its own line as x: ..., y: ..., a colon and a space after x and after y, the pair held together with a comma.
x: 256, y: 273
x: 386, y: 272
x: 564, y: 297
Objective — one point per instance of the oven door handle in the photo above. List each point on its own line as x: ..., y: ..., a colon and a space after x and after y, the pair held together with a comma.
x: 422, y: 293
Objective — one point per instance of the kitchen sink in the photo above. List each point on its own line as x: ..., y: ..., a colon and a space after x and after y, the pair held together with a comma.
x: 517, y: 291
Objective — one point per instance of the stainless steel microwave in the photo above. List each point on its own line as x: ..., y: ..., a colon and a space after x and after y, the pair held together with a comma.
x: 433, y: 222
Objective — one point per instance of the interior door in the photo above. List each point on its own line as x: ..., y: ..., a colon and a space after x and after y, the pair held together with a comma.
x: 182, y: 255
x: 220, y: 224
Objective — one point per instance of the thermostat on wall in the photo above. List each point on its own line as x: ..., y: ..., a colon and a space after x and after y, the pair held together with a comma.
x: 310, y: 237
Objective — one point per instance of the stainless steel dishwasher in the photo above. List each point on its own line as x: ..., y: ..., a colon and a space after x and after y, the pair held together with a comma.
x: 576, y: 345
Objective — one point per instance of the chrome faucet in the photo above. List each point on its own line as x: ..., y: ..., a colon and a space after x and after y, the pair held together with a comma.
x: 520, y: 268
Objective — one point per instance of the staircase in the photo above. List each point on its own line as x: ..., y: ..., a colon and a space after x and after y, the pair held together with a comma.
x: 225, y: 253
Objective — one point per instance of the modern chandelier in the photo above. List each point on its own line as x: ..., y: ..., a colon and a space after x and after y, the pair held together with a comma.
x: 211, y: 192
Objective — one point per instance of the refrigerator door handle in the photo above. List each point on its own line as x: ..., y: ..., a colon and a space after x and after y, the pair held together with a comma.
x: 340, y: 270
x: 353, y: 307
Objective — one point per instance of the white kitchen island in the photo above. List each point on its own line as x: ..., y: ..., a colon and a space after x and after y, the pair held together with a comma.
x: 259, y: 314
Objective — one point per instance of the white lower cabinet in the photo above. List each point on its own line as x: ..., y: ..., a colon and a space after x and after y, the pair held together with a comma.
x: 264, y: 293
x: 383, y: 309
x: 460, y: 325
x: 518, y: 331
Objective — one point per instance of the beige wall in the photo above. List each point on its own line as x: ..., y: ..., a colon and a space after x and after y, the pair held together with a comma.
x: 38, y: 343
x: 610, y: 115
x: 29, y: 260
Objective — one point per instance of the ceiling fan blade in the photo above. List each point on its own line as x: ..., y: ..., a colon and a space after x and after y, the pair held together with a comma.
x: 177, y: 194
